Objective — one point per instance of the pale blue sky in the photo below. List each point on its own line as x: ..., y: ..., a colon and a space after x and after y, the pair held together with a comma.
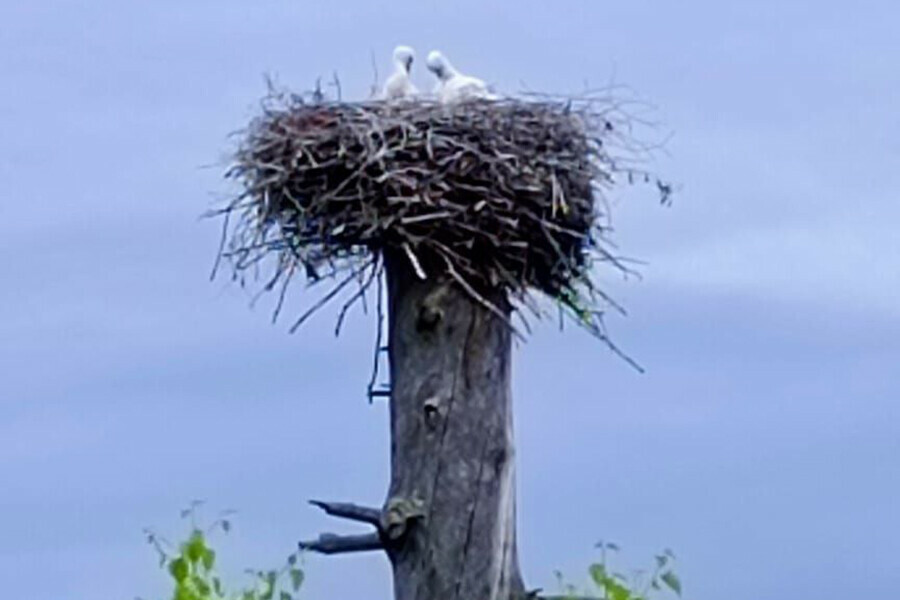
x: 763, y: 444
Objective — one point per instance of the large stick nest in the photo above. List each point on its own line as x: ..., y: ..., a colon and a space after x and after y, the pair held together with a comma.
x: 502, y: 196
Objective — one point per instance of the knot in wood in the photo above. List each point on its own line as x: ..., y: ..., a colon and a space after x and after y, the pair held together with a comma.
x: 432, y: 410
x: 398, y: 515
x: 429, y: 317
x: 430, y: 311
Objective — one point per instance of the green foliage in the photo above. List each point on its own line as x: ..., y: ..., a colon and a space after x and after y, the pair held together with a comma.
x: 192, y: 567
x: 641, y: 585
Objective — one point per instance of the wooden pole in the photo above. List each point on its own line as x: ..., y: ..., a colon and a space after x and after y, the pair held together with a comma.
x: 452, y: 490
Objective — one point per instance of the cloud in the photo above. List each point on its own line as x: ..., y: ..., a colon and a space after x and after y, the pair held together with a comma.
x: 46, y: 434
x: 836, y: 263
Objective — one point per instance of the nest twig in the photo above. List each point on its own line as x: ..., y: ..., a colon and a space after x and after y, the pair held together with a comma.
x: 497, y: 195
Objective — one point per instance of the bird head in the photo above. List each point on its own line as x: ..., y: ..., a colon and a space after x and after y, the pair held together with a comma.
x: 403, y: 56
x: 438, y: 64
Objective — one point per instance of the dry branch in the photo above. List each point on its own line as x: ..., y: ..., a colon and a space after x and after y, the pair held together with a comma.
x: 329, y: 543
x: 353, y: 512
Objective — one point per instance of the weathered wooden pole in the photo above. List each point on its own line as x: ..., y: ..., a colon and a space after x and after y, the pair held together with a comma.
x: 448, y: 524
x: 452, y: 451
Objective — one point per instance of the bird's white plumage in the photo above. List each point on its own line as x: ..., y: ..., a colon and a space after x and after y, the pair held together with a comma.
x: 452, y: 85
x: 398, y: 86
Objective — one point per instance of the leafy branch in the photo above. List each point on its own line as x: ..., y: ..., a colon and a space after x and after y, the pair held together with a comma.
x: 192, y: 567
x: 614, y: 585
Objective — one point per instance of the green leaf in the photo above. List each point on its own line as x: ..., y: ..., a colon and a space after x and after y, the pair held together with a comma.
x: 617, y: 591
x: 183, y: 593
x: 203, y: 588
x: 292, y: 559
x: 217, y: 586
x: 672, y: 582
x: 195, y: 547
x: 208, y: 558
x: 598, y: 574
x: 296, y: 578
x: 179, y: 569
x: 269, y: 585
x: 285, y: 596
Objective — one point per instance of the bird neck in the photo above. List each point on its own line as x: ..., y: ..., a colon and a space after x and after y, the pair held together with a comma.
x: 448, y: 72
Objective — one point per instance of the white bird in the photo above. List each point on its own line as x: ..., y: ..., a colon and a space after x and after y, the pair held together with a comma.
x: 452, y: 85
x: 398, y: 85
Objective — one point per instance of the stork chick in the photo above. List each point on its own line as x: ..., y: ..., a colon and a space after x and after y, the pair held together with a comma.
x: 452, y: 85
x: 398, y: 86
